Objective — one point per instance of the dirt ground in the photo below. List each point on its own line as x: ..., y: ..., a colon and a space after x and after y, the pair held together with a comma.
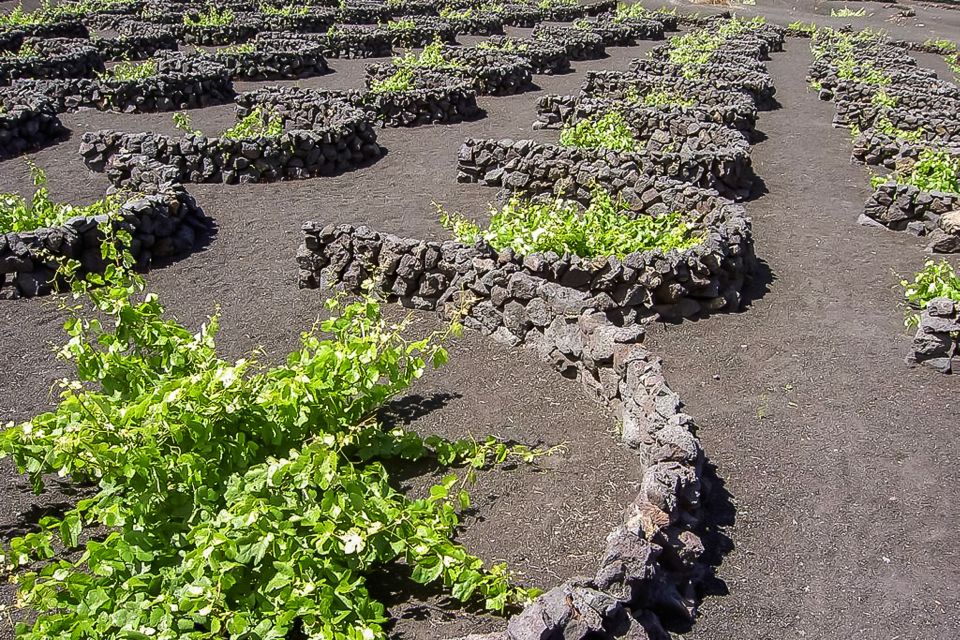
x: 839, y: 460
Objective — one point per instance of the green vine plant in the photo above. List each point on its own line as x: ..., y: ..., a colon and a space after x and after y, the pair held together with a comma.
x: 235, y: 49
x: 601, y: 229
x: 506, y: 46
x: 935, y: 280
x: 935, y: 170
x: 807, y: 28
x: 26, y: 50
x: 402, y: 24
x: 953, y: 61
x: 286, y: 10
x: 212, y: 17
x: 431, y: 57
x: 401, y: 80
x: 609, y: 131
x: 549, y: 4
x: 128, y: 71
x: 664, y: 98
x: 693, y: 50
x: 846, y: 12
x: 259, y: 123
x: 235, y: 500
x: 40, y: 210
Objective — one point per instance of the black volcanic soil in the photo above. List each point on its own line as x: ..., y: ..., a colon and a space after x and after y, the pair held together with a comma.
x: 839, y: 461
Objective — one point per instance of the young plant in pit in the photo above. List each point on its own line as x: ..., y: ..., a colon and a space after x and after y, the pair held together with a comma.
x: 603, y: 228
x: 846, y: 12
x: 609, y: 131
x: 128, y: 71
x: 235, y: 499
x: 287, y: 10
x: 662, y: 98
x: 26, y: 50
x: 935, y: 170
x: 212, y: 17
x: 21, y: 214
x: 259, y: 123
x: 935, y: 280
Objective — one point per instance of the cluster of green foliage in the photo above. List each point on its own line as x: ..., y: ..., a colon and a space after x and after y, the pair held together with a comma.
x: 124, y: 71
x: 799, y: 26
x: 287, y: 10
x: 402, y: 24
x: 626, y: 12
x: 45, y: 14
x: 459, y: 12
x: 885, y: 126
x: 431, y: 57
x: 235, y: 500
x: 935, y: 170
x: 549, y: 4
x: 883, y: 99
x: 839, y: 49
x: 212, y: 17
x: 953, y: 61
x: 692, y: 50
x: 935, y: 280
x: 862, y: 71
x: 942, y: 44
x: 564, y: 227
x: 665, y: 98
x: 607, y: 131
x: 846, y: 12
x: 20, y: 214
x: 26, y: 50
x: 236, y: 49
x: 507, y: 46
x: 259, y: 123
x: 401, y: 80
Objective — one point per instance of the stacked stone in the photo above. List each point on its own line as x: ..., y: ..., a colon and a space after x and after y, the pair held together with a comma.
x: 715, y: 102
x: 425, y: 30
x: 181, y: 82
x: 436, y: 100
x: 622, y: 34
x: 937, y: 342
x: 544, y: 57
x: 346, y: 41
x: 521, y: 15
x: 362, y: 12
x: 732, y: 75
x: 579, y: 43
x: 27, y: 122
x: 11, y: 39
x: 705, y: 278
x: 338, y: 138
x: 163, y: 220
x: 489, y: 72
x: 478, y: 23
x: 107, y: 17
x: 652, y: 562
x: 914, y: 101
x: 56, y: 58
x: 933, y: 215
x: 244, y: 27
x: 571, y: 12
x: 279, y: 59
x: 138, y: 46
x: 315, y: 20
x: 874, y: 147
x: 532, y: 167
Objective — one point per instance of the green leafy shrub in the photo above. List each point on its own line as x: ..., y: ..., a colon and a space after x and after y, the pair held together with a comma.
x: 235, y: 500
x: 212, y: 17
x: 846, y: 12
x: 942, y: 44
x: 20, y: 214
x: 124, y: 71
x: 26, y: 50
x: 935, y: 170
x: 935, y: 280
x: 287, y: 10
x: 600, y: 229
x: 256, y: 124
x: 549, y: 4
x: 608, y: 131
x: 431, y: 57
x: 882, y: 99
x: 402, y: 24
x: 953, y: 61
x: 883, y: 125
x: 401, y: 80
x: 626, y: 12
x: 259, y: 123
x: 803, y: 27
x: 865, y: 71
x: 664, y: 98
x: 18, y: 17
